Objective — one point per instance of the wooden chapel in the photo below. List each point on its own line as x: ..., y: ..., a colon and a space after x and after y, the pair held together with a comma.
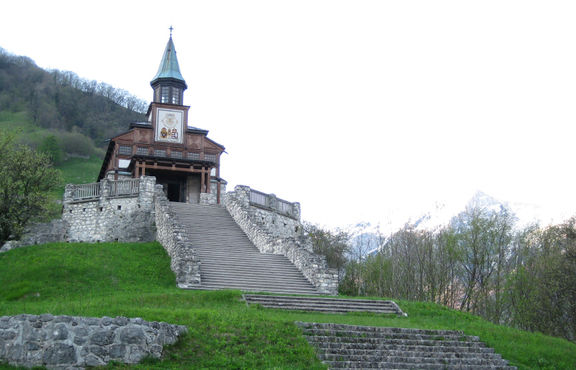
x: 182, y: 158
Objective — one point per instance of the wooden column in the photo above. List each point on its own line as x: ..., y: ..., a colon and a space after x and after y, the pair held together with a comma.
x: 208, y: 178
x: 202, y: 181
x: 218, y: 188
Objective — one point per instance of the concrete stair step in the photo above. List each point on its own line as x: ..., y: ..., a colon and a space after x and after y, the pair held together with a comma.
x: 409, y: 342
x: 306, y: 325
x: 254, y: 288
x: 286, y: 271
x: 384, y: 346
x: 394, y: 366
x: 321, y: 306
x: 250, y: 270
x: 327, y: 301
x: 331, y: 309
x: 334, y: 305
x: 244, y: 260
x: 391, y: 335
x: 234, y: 274
x: 257, y: 282
x: 414, y: 360
x: 401, y: 353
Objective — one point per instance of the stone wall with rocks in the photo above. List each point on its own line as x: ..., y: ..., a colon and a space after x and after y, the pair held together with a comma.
x: 62, y: 342
x: 39, y: 233
x: 107, y: 211
x: 123, y: 216
x: 268, y: 214
x: 184, y: 261
x: 211, y: 198
x: 295, y: 246
x: 277, y: 224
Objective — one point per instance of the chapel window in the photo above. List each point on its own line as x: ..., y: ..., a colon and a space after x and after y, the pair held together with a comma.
x: 165, y: 94
x: 175, y: 96
x: 125, y: 150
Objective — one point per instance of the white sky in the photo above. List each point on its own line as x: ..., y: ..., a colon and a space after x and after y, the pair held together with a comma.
x: 361, y: 110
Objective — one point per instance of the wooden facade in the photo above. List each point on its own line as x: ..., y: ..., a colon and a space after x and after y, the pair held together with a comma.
x: 182, y: 158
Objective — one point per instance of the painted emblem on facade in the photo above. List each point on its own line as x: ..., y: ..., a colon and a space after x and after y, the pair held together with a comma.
x: 169, y: 126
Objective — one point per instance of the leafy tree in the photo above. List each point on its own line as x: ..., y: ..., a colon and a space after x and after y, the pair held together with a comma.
x: 51, y: 148
x: 541, y: 288
x: 26, y: 178
x: 483, y: 236
x: 332, y: 245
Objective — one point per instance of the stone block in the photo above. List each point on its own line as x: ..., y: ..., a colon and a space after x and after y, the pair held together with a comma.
x: 102, y: 338
x: 132, y: 335
x: 59, y: 354
x: 60, y: 332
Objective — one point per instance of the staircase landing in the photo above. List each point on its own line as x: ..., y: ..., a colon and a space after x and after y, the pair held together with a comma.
x: 322, y: 304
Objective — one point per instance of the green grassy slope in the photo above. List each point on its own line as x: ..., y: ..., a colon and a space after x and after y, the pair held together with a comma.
x: 74, y: 170
x: 135, y: 280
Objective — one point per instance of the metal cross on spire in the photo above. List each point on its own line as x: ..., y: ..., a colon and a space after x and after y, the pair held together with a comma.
x: 171, y: 29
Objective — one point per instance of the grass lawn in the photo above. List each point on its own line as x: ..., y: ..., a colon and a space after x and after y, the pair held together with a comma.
x: 134, y: 280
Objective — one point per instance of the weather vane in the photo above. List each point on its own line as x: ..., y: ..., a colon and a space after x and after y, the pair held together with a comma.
x: 171, y: 29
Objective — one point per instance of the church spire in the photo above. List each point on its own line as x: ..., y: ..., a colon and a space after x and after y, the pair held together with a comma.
x: 168, y: 84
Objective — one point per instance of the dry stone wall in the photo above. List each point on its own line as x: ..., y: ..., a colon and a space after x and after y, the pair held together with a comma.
x: 211, y: 198
x: 64, y: 342
x: 184, y: 261
x: 276, y: 239
x: 40, y: 233
x: 123, y: 218
x: 105, y: 213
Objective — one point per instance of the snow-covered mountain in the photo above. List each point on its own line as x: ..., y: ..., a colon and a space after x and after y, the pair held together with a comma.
x: 525, y: 213
x: 366, y: 238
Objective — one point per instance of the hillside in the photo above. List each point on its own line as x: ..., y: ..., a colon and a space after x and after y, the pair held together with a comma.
x: 135, y: 280
x: 78, y: 112
x: 64, y: 115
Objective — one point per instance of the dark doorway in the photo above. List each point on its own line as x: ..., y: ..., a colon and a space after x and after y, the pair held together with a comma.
x: 173, y: 184
x: 173, y: 193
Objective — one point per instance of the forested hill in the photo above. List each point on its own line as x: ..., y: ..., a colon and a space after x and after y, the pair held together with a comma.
x: 63, y: 102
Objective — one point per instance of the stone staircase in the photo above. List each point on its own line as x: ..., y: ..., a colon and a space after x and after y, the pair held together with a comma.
x: 322, y: 304
x: 228, y: 258
x: 353, y: 347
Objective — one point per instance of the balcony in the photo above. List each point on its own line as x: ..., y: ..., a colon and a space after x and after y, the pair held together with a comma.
x: 168, y: 153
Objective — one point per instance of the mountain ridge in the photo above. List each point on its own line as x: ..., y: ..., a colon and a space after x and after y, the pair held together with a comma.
x: 60, y: 101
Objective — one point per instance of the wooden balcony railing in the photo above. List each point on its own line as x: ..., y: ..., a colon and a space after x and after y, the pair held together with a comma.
x: 85, y: 191
x: 106, y: 188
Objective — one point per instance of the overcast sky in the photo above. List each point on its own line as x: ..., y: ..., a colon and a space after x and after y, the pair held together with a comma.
x: 361, y: 110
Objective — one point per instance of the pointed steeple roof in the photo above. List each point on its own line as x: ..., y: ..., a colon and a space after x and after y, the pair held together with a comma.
x: 169, y: 68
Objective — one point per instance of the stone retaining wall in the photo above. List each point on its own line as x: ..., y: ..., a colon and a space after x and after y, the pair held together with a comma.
x: 183, y: 258
x: 297, y: 248
x: 108, y: 218
x: 108, y: 212
x: 62, y: 342
x: 39, y: 233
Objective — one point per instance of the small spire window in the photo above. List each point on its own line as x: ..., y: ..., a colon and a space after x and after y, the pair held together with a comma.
x: 170, y: 95
x: 175, y: 95
x: 165, y: 94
